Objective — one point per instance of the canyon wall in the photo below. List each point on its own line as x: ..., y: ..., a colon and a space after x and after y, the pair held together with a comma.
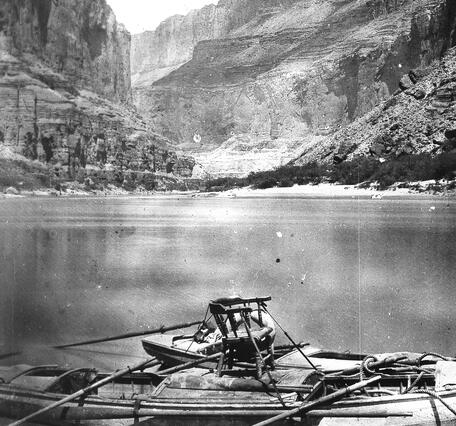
x: 157, y: 53
x: 284, y: 78
x: 65, y: 90
x: 81, y: 40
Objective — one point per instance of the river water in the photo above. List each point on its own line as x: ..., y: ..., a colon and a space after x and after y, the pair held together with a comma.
x: 344, y: 274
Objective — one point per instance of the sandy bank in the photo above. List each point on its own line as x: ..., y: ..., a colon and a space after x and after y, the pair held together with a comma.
x: 327, y: 190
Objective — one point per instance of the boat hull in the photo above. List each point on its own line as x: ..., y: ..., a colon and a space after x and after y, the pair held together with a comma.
x: 164, y: 349
x: 401, y: 410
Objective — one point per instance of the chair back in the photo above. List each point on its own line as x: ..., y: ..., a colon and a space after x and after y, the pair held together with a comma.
x: 231, y: 310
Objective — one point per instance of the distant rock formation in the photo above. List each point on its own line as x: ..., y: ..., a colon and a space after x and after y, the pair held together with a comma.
x: 268, y: 81
x: 65, y: 90
x: 157, y: 53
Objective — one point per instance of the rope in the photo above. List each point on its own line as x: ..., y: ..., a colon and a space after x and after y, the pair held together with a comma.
x: 420, y: 359
x: 289, y: 338
x: 436, y: 396
x: 363, y: 368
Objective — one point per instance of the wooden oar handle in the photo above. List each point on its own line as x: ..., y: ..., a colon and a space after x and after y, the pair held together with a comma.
x: 161, y: 329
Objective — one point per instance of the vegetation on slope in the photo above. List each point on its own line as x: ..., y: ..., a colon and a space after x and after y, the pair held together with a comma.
x: 22, y: 174
x: 365, y: 170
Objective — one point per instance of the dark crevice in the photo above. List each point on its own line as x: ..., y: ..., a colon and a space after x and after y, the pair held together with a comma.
x: 43, y: 10
x: 94, y: 34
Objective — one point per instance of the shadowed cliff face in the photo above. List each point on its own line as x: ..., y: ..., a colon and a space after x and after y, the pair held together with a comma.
x: 286, y: 77
x: 81, y: 40
x: 65, y: 91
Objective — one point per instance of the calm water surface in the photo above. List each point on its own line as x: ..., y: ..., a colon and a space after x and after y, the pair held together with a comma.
x: 370, y: 275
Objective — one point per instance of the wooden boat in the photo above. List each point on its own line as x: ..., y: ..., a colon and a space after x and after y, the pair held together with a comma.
x: 173, y: 350
x: 178, y: 349
x: 197, y: 398
x: 247, y: 387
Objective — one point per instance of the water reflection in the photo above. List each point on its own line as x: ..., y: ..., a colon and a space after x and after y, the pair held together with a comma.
x: 344, y: 274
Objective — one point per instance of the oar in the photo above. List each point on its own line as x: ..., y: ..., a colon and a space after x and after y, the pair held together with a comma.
x: 307, y: 406
x: 82, y: 392
x: 162, y: 329
x: 290, y: 347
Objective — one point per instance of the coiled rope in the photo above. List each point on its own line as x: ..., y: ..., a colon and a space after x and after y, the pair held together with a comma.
x: 364, y: 367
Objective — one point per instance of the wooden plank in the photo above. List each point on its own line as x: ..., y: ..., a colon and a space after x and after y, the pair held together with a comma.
x: 84, y: 414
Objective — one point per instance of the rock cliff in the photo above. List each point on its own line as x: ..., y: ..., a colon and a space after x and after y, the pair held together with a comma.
x: 157, y: 53
x: 65, y: 91
x: 80, y: 40
x: 419, y: 118
x: 267, y: 82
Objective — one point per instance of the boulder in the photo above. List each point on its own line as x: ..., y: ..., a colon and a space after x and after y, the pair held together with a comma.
x: 405, y: 83
x: 377, y: 149
x: 339, y: 158
x: 416, y: 93
x: 395, y: 126
x: 413, y: 76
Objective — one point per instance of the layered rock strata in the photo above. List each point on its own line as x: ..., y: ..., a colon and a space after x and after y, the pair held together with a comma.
x: 289, y: 76
x: 157, y: 53
x: 65, y: 88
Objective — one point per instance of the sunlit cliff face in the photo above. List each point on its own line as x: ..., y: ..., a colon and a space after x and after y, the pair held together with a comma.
x: 266, y: 82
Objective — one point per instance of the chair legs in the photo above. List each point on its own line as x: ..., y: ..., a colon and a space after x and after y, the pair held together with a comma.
x: 220, y: 365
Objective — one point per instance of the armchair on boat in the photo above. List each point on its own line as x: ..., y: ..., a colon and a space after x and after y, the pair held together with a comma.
x: 242, y: 341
